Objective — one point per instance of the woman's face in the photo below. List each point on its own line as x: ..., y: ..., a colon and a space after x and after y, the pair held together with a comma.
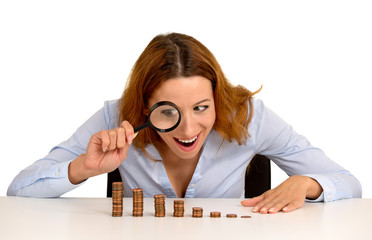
x: 194, y: 98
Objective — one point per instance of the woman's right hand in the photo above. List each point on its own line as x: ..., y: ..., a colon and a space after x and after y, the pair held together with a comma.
x: 106, y: 150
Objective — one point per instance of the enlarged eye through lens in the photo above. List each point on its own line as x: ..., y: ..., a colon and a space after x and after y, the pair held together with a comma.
x: 169, y: 113
x: 164, y: 117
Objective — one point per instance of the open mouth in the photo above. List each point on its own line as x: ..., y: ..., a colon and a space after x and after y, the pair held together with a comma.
x: 187, y: 143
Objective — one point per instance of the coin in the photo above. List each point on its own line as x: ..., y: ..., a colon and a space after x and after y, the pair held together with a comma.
x: 137, y: 202
x: 178, y: 207
x: 159, y: 205
x: 215, y: 214
x: 197, y: 212
x: 117, y: 199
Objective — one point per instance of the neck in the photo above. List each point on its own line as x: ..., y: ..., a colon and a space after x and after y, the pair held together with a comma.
x: 179, y: 170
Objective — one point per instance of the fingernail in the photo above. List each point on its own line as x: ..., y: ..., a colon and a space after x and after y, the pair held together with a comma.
x: 271, y: 210
x: 263, y: 210
x: 104, y: 149
x: 255, y: 209
x: 130, y: 139
x: 284, y: 209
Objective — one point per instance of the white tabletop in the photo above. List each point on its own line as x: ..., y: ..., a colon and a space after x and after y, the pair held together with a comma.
x: 90, y: 218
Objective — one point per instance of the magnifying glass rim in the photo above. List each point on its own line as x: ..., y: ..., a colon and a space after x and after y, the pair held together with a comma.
x: 162, y: 103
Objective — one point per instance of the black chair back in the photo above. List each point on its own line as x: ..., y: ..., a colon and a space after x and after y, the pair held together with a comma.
x: 257, y: 177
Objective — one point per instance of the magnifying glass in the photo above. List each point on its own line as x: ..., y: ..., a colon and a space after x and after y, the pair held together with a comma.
x: 163, y: 117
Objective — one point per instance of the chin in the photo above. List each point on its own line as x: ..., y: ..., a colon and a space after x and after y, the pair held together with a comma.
x: 187, y: 156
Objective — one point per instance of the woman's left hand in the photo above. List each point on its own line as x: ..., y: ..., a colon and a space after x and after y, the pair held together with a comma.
x: 286, y: 197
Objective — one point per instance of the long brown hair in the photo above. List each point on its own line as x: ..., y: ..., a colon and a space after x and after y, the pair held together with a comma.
x: 175, y: 55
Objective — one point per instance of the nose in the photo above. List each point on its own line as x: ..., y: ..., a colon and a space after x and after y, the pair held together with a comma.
x: 187, y: 125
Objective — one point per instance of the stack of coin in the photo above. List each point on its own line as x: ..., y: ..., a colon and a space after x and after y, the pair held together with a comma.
x: 179, y: 209
x: 137, y: 202
x: 197, y: 212
x: 231, y: 215
x: 215, y: 214
x: 159, y: 205
x: 117, y: 199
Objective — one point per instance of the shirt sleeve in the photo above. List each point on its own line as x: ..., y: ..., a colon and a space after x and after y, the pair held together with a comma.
x: 48, y: 177
x: 294, y: 154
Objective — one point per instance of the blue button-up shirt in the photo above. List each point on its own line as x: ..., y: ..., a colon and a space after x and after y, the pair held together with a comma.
x: 219, y: 173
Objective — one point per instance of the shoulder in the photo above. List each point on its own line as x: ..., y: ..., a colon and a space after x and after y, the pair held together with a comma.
x: 257, y: 110
x: 258, y: 106
x: 261, y: 112
x: 264, y: 121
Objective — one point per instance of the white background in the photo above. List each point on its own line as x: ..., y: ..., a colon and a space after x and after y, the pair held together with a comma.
x: 60, y: 60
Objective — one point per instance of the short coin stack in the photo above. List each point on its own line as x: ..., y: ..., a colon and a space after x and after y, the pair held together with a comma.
x: 231, y: 215
x: 159, y: 204
x: 179, y: 209
x: 215, y: 214
x: 117, y: 199
x: 197, y: 212
x: 137, y: 202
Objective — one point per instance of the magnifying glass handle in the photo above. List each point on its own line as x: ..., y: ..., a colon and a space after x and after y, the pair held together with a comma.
x: 136, y: 129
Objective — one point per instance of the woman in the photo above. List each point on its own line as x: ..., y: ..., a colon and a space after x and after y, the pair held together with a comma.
x: 221, y: 129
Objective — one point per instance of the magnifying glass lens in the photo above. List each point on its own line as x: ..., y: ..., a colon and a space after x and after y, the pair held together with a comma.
x: 164, y: 117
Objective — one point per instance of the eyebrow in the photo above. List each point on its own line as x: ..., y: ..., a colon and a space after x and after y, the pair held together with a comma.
x: 205, y: 100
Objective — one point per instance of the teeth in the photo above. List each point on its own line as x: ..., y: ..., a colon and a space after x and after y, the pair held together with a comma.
x: 188, y: 141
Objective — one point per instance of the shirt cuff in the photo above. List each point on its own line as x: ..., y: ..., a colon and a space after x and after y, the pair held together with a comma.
x: 60, y: 181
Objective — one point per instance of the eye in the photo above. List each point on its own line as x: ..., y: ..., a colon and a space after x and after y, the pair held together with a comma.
x: 169, y: 112
x: 201, y: 108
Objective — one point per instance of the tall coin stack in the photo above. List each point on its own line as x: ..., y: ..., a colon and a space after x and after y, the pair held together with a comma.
x: 178, y: 206
x: 159, y: 205
x: 197, y: 212
x: 137, y: 202
x: 117, y: 199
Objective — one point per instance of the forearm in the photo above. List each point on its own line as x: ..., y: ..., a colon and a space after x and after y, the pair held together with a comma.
x: 42, y: 181
x: 77, y: 172
x: 338, y: 186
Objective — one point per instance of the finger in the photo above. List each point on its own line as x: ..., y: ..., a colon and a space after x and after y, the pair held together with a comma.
x: 264, y: 205
x: 277, y: 206
x: 120, y: 140
x: 284, y: 204
x: 252, y: 202
x: 292, y: 206
x: 113, y: 136
x: 105, y: 138
x: 129, y: 131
